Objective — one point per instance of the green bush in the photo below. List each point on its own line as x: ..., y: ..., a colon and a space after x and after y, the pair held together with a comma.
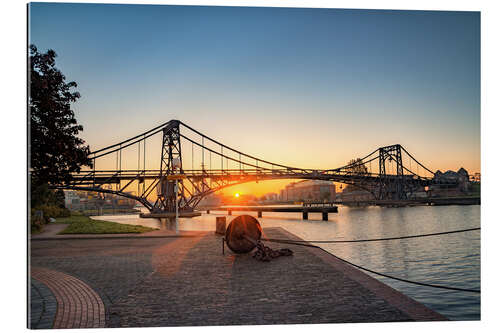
x: 64, y: 212
x: 50, y: 202
x: 36, y: 224
x: 43, y: 196
x: 51, y: 212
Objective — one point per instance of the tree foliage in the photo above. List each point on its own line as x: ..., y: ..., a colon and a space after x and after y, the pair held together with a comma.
x: 43, y: 196
x: 355, y: 167
x: 55, y: 148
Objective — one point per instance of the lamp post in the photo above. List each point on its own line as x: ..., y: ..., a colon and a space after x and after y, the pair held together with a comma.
x: 176, y: 177
x: 176, y: 206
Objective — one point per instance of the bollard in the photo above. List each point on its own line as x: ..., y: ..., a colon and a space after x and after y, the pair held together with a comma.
x: 305, y: 215
x: 243, y: 233
x: 220, y: 225
x: 324, y: 215
x: 229, y: 212
x: 259, y: 213
x: 208, y: 211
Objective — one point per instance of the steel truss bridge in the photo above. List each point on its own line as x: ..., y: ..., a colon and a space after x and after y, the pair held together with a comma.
x: 388, y: 173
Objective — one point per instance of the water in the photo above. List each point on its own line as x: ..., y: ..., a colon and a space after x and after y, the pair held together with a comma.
x: 451, y: 260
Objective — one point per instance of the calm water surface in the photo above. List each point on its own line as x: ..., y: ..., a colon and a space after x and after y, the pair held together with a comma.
x: 451, y: 260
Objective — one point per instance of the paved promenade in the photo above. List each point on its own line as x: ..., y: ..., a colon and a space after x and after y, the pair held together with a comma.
x: 186, y: 281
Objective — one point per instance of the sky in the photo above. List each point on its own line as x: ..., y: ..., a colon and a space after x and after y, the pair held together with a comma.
x: 309, y: 88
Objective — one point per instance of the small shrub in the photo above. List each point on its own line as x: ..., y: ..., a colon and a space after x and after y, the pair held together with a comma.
x: 65, y: 212
x: 36, y: 222
x: 52, y: 212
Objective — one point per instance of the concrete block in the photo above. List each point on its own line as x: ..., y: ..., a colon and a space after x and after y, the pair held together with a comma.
x: 220, y: 225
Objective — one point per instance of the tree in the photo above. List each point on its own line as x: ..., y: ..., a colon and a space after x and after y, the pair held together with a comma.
x: 355, y: 167
x: 41, y: 195
x: 56, y: 150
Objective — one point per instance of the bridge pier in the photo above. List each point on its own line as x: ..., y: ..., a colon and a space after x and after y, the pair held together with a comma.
x: 305, y: 215
x: 259, y: 213
x: 324, y: 215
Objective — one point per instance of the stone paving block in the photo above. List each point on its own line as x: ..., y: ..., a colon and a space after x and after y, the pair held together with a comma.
x: 78, y: 306
x: 188, y: 282
x: 43, y: 305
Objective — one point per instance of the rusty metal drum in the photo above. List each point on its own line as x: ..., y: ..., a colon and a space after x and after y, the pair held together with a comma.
x: 242, y: 234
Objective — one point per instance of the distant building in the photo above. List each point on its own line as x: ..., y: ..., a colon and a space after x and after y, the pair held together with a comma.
x: 82, y: 200
x: 461, y: 177
x: 355, y: 195
x: 71, y: 199
x: 213, y: 199
x: 269, y: 197
x: 309, y: 190
x: 476, y: 177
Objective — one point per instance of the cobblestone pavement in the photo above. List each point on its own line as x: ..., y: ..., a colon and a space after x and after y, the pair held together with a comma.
x: 43, y: 305
x: 78, y: 306
x: 188, y: 282
x: 111, y: 267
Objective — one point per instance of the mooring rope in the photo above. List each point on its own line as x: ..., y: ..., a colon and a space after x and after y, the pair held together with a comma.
x: 400, y: 279
x: 305, y: 243
x: 367, y: 240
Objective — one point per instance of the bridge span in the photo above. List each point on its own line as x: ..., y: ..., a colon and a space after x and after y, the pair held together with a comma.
x: 388, y: 173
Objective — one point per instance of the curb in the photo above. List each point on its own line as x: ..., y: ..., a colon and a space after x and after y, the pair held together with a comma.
x: 113, y: 237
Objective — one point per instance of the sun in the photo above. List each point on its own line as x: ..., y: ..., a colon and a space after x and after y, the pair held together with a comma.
x: 236, y: 195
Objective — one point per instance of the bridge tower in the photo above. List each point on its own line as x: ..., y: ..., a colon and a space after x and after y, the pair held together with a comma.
x: 391, y: 186
x: 171, y: 163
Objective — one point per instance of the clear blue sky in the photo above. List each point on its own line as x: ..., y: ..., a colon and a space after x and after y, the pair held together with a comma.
x: 331, y: 84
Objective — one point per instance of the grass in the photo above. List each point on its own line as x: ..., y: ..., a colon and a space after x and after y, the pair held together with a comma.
x: 81, y: 224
